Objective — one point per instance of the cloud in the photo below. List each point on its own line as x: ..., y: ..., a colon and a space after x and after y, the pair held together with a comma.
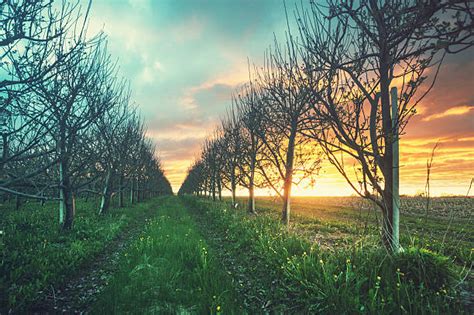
x: 140, y: 4
x: 179, y: 131
x: 216, y: 91
x: 466, y: 139
x: 158, y: 66
x: 454, y: 111
x: 190, y: 30
x: 184, y: 58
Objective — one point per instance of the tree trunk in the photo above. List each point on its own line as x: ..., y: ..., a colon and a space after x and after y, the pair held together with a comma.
x: 251, y: 203
x: 233, y: 186
x: 132, y: 196
x: 4, y: 147
x: 17, y: 202
x: 285, y: 214
x: 120, y: 196
x: 105, y: 202
x: 137, y: 186
x: 66, y: 203
x: 137, y: 192
x: 219, y: 188
x: 213, y: 187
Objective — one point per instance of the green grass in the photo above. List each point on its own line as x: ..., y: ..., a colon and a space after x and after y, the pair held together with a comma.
x: 447, y: 228
x: 35, y: 253
x: 169, y: 268
x: 282, y: 271
x: 196, y: 256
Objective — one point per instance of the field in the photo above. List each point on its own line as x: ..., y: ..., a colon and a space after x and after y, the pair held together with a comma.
x: 330, y: 260
x: 192, y: 255
x: 444, y: 225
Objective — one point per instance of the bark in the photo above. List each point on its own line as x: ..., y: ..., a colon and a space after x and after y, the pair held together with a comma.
x: 132, y: 196
x: 4, y: 151
x: 120, y: 196
x: 251, y: 201
x: 105, y: 202
x: 213, y: 187
x: 66, y: 204
x: 137, y: 189
x: 219, y: 188
x: 233, y: 186
x: 17, y: 202
x: 285, y: 215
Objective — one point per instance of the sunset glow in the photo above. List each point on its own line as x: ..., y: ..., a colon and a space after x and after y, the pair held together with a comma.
x: 184, y: 64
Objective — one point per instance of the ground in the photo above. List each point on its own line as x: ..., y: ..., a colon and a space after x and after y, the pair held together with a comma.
x: 189, y: 255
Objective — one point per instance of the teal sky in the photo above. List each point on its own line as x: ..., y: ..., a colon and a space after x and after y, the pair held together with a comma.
x: 183, y: 59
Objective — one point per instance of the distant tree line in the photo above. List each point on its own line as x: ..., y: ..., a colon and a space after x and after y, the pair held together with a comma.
x: 67, y: 124
x: 326, y: 93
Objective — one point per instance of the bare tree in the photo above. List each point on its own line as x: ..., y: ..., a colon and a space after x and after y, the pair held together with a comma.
x: 251, y: 117
x: 65, y: 120
x: 25, y: 147
x: 286, y: 102
x: 74, y: 101
x: 212, y: 162
x: 231, y: 146
x: 193, y: 183
x: 30, y: 33
x: 358, y: 51
x: 110, y: 126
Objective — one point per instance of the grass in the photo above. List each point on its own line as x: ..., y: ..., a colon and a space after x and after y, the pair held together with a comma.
x: 447, y: 227
x: 35, y: 253
x: 196, y: 256
x: 170, y: 269
x: 281, y: 271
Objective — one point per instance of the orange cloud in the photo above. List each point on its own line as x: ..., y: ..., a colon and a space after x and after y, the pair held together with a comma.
x: 453, y: 111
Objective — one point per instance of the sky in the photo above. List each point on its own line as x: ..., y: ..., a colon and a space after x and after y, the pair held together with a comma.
x: 185, y: 57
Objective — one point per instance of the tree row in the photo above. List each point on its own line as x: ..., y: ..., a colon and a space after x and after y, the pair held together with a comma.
x: 68, y: 127
x: 342, y: 87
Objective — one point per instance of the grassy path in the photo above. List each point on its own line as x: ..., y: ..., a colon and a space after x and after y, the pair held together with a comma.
x: 77, y: 293
x: 257, y: 281
x: 169, y: 268
x: 44, y: 269
x: 198, y: 257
